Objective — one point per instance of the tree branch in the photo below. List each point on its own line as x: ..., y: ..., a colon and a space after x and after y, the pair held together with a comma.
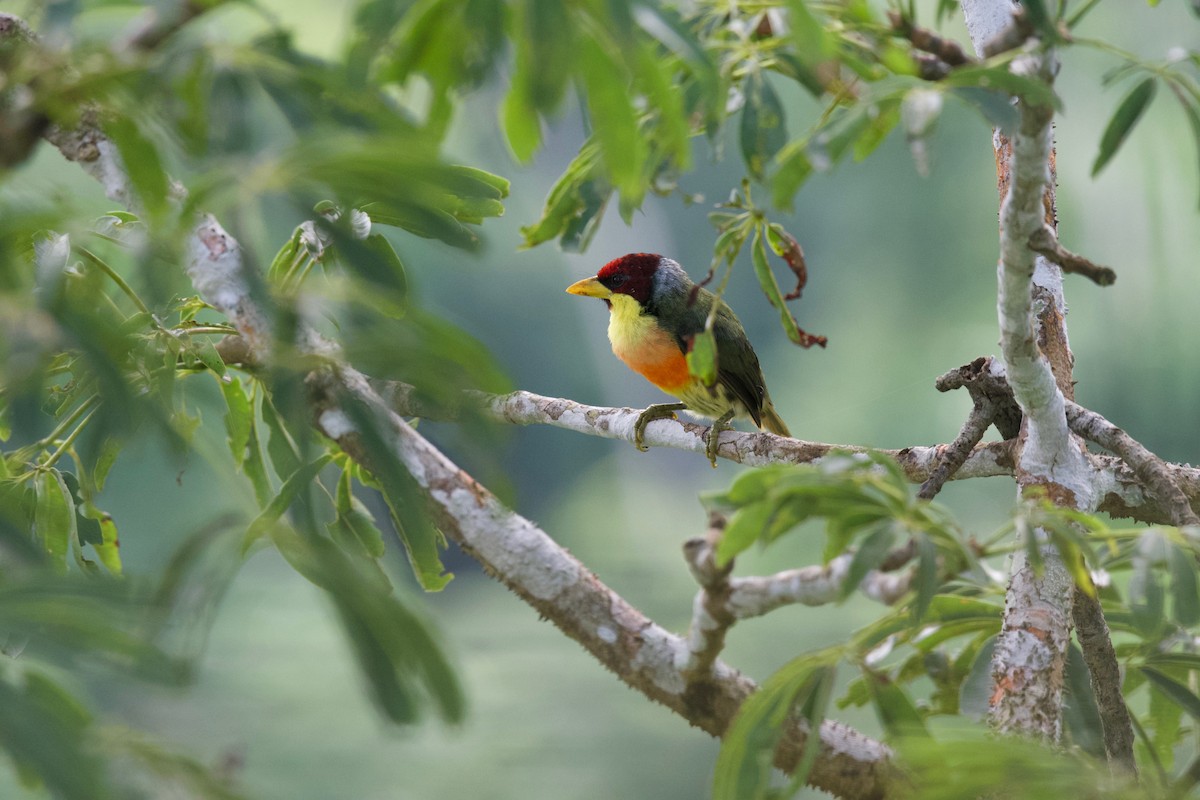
x: 812, y: 586
x: 1031, y: 649
x: 711, y: 617
x: 1045, y: 243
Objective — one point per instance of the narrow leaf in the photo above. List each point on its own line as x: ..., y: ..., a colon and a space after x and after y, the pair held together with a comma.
x: 1124, y: 118
x: 54, y: 517
x: 288, y: 493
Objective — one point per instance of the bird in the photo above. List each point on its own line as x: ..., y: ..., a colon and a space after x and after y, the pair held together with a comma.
x: 654, y: 311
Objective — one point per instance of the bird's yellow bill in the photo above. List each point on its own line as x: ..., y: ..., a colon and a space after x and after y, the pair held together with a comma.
x: 590, y: 287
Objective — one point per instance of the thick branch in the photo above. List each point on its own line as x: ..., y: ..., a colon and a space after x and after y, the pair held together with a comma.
x: 1151, y: 470
x: 812, y: 586
x: 1031, y: 649
x: 1119, y: 490
x: 520, y: 555
x: 711, y: 617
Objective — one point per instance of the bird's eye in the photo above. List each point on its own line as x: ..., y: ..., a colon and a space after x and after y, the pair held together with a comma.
x: 617, y: 280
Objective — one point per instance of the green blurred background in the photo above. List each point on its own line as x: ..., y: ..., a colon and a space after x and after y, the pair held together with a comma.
x: 902, y: 283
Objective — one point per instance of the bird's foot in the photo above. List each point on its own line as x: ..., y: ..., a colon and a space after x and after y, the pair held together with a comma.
x: 712, y: 440
x: 653, y: 412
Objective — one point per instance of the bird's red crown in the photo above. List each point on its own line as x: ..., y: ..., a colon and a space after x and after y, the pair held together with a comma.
x: 631, y: 274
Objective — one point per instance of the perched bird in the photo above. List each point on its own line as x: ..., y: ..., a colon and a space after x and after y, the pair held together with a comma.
x: 655, y: 309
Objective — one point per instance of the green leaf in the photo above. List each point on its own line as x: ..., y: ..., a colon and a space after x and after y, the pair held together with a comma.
x: 1173, y: 689
x: 895, y: 709
x: 1123, y: 119
x: 575, y: 204
x: 743, y: 530
x: 1165, y: 718
x: 927, y: 580
x: 54, y: 517
x: 354, y: 524
x: 395, y: 648
x: 794, y: 168
x: 763, y: 130
x: 770, y: 286
x: 995, y: 106
x: 289, y: 493
x: 743, y: 767
x: 1146, y: 598
x: 142, y: 163
x: 702, y: 357
x: 45, y: 731
x: 614, y: 121
x: 239, y: 418
x: 1081, y: 718
x: 1190, y: 108
x: 522, y: 127
x: 422, y: 542
x: 870, y: 554
x: 282, y: 450
x: 1185, y: 595
x: 255, y: 467
x: 999, y: 77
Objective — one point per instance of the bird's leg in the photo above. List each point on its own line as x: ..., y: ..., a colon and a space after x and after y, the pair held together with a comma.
x: 653, y: 412
x: 712, y: 440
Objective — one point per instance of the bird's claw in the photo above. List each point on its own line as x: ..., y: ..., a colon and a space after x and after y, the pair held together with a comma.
x: 712, y: 440
x: 653, y: 412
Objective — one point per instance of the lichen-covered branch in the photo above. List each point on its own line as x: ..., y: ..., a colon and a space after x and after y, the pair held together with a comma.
x: 1030, y: 652
x: 814, y: 585
x: 711, y: 617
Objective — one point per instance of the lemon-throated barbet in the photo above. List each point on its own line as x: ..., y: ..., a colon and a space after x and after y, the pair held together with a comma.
x: 655, y: 309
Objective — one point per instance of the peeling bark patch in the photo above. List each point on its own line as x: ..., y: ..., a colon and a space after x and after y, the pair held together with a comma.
x: 1056, y: 493
x: 1052, y: 339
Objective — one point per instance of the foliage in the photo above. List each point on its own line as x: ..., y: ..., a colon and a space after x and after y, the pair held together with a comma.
x: 103, y: 342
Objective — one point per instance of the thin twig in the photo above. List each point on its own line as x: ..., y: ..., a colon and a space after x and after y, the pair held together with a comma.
x: 956, y: 453
x: 1045, y: 243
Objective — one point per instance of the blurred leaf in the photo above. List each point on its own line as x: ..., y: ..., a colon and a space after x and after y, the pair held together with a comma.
x: 1185, y: 595
x: 1173, y: 689
x: 995, y: 106
x: 927, y: 576
x: 1191, y: 105
x: 763, y: 130
x: 1123, y: 119
x: 281, y: 449
x: 1081, y: 717
x: 575, y: 204
x: 169, y: 771
x: 239, y: 418
x: 142, y: 164
x: 45, y: 730
x: 743, y: 768
x: 870, y: 554
x: 422, y: 542
x: 999, y: 77
x: 793, y: 170
x: 289, y: 493
x: 895, y: 709
x: 614, y: 121
x: 395, y: 648
x: 354, y: 523
x: 522, y: 127
x: 54, y: 520
x: 1165, y: 717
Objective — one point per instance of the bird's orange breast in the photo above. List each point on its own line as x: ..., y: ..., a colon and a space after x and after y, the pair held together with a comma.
x: 639, y: 341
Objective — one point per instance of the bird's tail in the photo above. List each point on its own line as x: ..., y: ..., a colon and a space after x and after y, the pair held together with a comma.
x: 773, y: 422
